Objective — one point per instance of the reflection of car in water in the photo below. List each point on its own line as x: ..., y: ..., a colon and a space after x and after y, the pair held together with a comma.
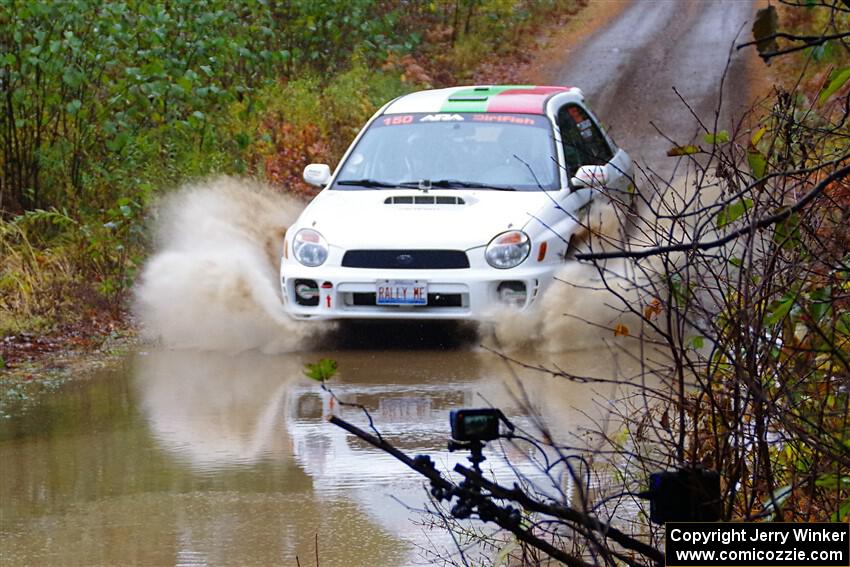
x: 414, y: 421
x: 229, y: 490
x: 449, y: 204
x: 256, y: 430
x: 411, y: 420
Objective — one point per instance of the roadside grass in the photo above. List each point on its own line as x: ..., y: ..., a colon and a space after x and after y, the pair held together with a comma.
x: 23, y: 383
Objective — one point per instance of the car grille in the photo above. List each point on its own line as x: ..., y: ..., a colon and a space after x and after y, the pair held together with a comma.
x: 424, y: 200
x: 406, y: 259
x: 434, y: 300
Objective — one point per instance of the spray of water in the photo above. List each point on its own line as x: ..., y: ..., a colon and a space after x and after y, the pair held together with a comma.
x: 586, y: 305
x: 212, y: 283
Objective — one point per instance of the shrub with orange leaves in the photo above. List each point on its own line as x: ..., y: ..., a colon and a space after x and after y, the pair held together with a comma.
x: 411, y: 70
x: 290, y: 149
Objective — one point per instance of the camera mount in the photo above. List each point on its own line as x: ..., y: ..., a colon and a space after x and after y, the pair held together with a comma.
x: 476, y: 450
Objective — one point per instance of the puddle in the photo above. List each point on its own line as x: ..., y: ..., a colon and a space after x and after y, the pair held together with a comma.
x: 185, y: 458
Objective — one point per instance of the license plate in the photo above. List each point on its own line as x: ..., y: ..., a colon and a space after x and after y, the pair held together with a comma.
x: 401, y: 292
x: 404, y: 409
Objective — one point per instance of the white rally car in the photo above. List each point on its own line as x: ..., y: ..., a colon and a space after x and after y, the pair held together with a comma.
x: 450, y: 204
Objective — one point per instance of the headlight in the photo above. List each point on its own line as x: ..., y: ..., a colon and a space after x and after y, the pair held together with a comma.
x: 309, y: 247
x: 508, y: 249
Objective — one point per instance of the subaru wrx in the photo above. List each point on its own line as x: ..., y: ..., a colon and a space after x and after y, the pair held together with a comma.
x: 450, y: 204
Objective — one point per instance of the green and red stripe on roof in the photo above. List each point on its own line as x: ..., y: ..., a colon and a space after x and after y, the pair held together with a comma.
x: 513, y: 99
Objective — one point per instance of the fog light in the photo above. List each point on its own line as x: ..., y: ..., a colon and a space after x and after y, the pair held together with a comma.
x: 306, y: 293
x: 513, y: 293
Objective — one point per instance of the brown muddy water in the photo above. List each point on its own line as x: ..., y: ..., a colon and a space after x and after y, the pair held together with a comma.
x: 186, y: 458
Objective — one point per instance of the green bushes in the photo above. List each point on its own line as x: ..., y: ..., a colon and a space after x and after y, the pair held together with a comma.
x: 91, y: 86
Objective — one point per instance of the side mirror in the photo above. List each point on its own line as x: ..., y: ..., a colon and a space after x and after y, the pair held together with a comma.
x: 593, y: 176
x: 317, y: 174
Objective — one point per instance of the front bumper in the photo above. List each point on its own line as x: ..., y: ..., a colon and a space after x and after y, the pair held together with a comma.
x: 464, y: 294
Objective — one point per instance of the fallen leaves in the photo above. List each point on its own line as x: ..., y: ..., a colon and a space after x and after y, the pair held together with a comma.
x: 652, y: 309
x: 716, y: 138
x: 764, y: 27
x: 683, y: 150
x: 665, y: 420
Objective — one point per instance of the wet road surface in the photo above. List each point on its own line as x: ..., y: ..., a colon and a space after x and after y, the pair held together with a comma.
x: 629, y: 68
x: 183, y: 458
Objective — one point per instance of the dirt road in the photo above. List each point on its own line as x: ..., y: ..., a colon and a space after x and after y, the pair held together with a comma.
x: 629, y: 68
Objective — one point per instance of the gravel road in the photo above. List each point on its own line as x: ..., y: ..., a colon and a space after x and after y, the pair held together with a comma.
x: 629, y: 68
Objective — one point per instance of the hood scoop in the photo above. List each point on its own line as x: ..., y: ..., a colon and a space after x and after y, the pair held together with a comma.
x: 424, y: 200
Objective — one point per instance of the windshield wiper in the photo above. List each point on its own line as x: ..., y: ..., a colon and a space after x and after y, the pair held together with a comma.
x: 454, y: 184
x: 368, y: 183
x: 425, y: 184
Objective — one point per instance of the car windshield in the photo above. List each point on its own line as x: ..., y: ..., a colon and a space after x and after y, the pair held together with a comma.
x: 511, y: 152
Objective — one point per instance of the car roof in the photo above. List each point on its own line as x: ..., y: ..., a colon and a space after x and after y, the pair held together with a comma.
x: 519, y: 99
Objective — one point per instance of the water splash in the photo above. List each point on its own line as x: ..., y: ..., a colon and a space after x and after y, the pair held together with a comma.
x: 212, y: 283
x: 589, y: 305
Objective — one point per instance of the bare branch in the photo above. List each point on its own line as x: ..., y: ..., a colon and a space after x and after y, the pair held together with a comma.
x: 756, y: 225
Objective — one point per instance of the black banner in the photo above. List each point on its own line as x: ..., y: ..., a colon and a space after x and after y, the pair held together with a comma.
x: 757, y: 545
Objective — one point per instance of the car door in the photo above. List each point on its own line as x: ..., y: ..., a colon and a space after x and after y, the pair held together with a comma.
x: 585, y: 143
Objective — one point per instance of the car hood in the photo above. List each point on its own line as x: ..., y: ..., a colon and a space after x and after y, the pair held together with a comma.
x: 375, y: 219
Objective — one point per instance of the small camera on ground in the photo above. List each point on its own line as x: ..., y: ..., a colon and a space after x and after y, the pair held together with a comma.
x: 475, y: 424
x: 685, y: 495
